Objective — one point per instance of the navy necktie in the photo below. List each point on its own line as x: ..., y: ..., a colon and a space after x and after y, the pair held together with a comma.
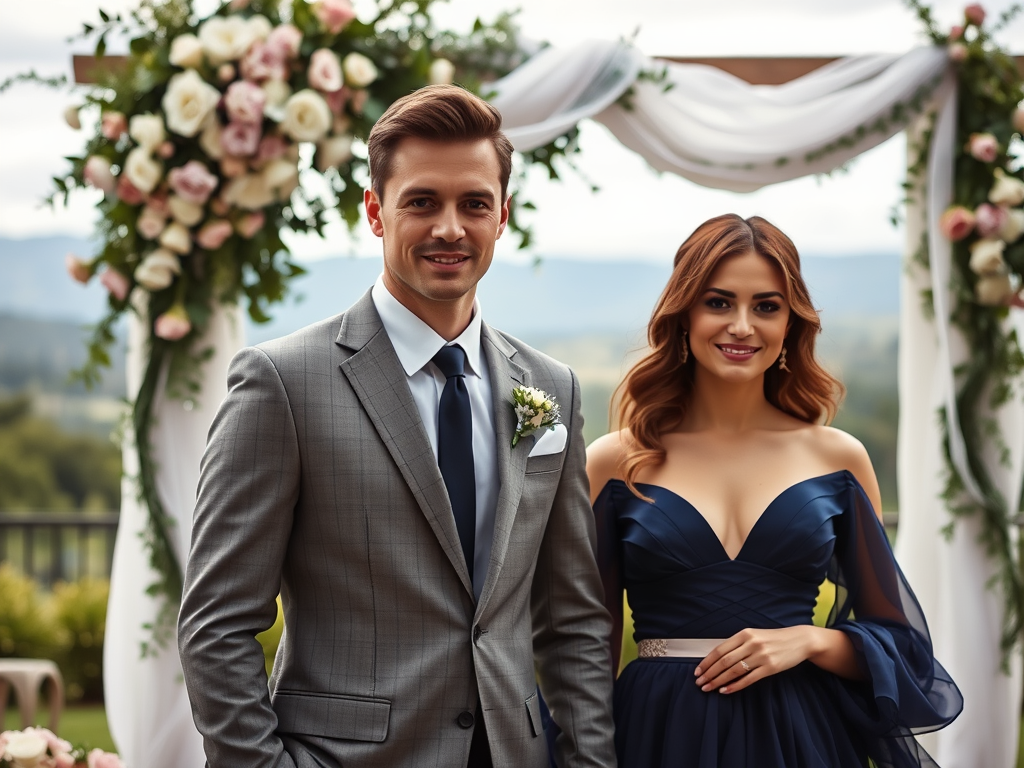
x: 455, y: 446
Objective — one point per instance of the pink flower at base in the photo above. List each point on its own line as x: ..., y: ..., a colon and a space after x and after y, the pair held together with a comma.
x: 214, y: 233
x: 250, y: 224
x: 975, y: 14
x: 97, y: 758
x: 97, y: 174
x: 172, y: 325
x: 113, y: 125
x: 193, y: 182
x: 983, y: 147
x: 956, y: 223
x: 79, y: 269
x: 334, y: 14
x: 116, y: 284
x: 240, y: 139
x: 285, y: 40
x: 325, y: 71
x: 244, y: 102
x: 989, y: 219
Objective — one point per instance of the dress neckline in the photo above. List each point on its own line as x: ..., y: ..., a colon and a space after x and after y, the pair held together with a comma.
x: 757, y: 523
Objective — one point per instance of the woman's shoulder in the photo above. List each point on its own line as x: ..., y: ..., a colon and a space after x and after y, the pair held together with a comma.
x: 604, y: 458
x: 841, y: 450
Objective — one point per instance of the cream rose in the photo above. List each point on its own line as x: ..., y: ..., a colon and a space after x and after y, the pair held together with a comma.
x: 188, y: 102
x: 277, y: 93
x: 209, y: 140
x: 1013, y: 227
x: 281, y: 176
x: 306, y: 116
x: 186, y: 52
x: 260, y: 27
x: 157, y: 270
x: 226, y: 38
x: 442, y: 72
x: 359, y: 70
x: 987, y: 256
x: 147, y: 131
x: 176, y: 238
x: 185, y: 212
x: 249, y: 192
x: 993, y: 290
x: 1008, y: 190
x: 142, y: 170
x: 333, y: 151
x: 71, y: 117
x: 25, y: 749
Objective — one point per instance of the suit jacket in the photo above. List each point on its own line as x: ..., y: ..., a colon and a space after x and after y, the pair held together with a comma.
x: 319, y: 483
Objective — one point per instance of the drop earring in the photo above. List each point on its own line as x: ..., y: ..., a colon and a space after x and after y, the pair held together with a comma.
x: 684, y: 355
x: 782, y: 361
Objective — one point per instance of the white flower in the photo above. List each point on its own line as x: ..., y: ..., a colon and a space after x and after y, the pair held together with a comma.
x: 209, y: 140
x: 150, y: 223
x: 249, y: 192
x: 176, y: 238
x: 186, y: 52
x: 184, y: 211
x: 157, y: 270
x: 259, y: 27
x: 534, y: 410
x: 993, y: 290
x: 142, y: 170
x: 1007, y: 190
x: 332, y: 152
x: 226, y: 38
x: 306, y: 116
x: 359, y: 70
x: 1013, y: 227
x: 25, y: 749
x: 71, y: 117
x: 987, y: 257
x: 188, y: 102
x: 147, y: 131
x: 281, y: 176
x: 441, y: 72
x: 277, y: 93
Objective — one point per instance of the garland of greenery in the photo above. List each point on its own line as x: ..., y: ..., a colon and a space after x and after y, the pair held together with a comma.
x: 194, y: 206
x: 985, y: 224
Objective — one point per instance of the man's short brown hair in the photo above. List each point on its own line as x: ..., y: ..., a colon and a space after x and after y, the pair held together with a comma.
x: 436, y: 113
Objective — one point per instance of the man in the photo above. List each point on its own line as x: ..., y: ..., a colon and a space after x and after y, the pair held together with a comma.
x: 363, y: 467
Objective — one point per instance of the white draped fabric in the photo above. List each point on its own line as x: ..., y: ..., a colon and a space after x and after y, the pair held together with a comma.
x: 147, y: 708
x: 722, y: 132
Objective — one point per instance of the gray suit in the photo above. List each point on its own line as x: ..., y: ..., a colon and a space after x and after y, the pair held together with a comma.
x: 319, y: 483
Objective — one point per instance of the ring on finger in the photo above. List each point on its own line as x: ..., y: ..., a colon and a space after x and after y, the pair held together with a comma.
x: 746, y: 667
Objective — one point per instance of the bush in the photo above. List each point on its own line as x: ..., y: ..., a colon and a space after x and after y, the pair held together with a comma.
x: 80, y: 611
x: 27, y: 629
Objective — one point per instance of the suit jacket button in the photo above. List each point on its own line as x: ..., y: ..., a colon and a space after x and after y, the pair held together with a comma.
x: 477, y: 633
x: 465, y: 719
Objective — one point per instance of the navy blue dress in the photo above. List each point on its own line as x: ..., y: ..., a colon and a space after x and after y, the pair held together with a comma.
x: 681, y: 584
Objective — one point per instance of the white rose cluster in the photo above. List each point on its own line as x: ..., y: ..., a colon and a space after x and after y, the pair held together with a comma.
x: 1000, y: 222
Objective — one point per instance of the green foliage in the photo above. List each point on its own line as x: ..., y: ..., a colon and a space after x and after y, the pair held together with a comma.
x: 80, y: 612
x: 27, y: 629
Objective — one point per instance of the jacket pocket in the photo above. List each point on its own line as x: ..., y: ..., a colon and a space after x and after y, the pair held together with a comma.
x: 533, y: 712
x: 332, y: 716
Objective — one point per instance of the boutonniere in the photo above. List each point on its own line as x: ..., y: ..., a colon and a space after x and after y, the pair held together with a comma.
x: 535, y: 410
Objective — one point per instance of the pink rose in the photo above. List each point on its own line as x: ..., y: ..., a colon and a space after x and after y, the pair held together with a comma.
x: 172, y: 325
x: 116, y: 284
x: 80, y: 271
x: 250, y: 224
x: 975, y: 14
x: 956, y: 223
x: 334, y: 14
x: 158, y: 202
x: 97, y: 758
x: 264, y: 62
x: 285, y: 41
x: 359, y: 98
x: 956, y: 32
x: 244, y: 102
x: 958, y: 52
x: 271, y: 147
x: 193, y: 182
x: 240, y: 139
x: 64, y: 760
x: 150, y: 223
x: 233, y: 167
x: 128, y: 192
x: 113, y: 125
x: 226, y: 73
x: 214, y: 233
x: 325, y: 71
x: 983, y: 147
x: 55, y: 743
x: 97, y: 174
x: 336, y: 100
x: 989, y: 219
x: 166, y: 150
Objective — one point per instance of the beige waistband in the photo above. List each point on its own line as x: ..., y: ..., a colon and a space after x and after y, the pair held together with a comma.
x: 684, y: 647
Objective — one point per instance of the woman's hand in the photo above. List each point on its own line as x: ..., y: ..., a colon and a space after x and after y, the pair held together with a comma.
x: 754, y: 654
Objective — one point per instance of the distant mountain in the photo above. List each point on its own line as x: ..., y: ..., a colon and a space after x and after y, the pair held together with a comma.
x: 559, y: 297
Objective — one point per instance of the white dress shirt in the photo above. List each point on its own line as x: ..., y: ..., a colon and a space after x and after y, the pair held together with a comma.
x: 416, y: 343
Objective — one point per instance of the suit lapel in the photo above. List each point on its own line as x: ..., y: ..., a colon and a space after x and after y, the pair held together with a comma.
x: 380, y: 383
x: 505, y: 375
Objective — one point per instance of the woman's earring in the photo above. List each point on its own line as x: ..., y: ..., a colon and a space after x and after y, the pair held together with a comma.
x: 782, y: 361
x: 684, y: 355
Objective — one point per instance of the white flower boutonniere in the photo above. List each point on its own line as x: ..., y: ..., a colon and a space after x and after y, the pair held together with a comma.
x: 535, y: 410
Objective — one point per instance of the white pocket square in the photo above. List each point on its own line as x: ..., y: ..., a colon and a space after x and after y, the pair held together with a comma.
x: 550, y: 441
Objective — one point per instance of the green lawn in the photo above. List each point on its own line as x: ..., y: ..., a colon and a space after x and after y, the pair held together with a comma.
x: 84, y: 726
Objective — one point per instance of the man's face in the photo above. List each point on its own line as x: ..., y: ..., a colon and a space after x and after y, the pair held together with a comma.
x: 441, y: 214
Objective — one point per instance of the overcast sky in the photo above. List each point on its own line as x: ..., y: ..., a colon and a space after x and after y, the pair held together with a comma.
x: 637, y: 214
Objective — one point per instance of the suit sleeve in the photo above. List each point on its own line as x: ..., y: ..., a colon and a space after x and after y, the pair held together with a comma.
x: 248, y: 488
x: 571, y: 625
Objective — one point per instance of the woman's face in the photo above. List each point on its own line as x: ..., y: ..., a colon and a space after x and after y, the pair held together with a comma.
x: 738, y: 325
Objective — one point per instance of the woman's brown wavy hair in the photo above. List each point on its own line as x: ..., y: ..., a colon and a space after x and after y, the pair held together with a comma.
x: 654, y: 396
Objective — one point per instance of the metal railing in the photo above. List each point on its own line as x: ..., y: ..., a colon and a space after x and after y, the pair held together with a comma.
x: 58, y: 546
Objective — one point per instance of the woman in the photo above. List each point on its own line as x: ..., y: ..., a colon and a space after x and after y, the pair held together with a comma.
x: 722, y: 506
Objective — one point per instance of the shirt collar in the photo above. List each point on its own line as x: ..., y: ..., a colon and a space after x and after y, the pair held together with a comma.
x: 414, y: 341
